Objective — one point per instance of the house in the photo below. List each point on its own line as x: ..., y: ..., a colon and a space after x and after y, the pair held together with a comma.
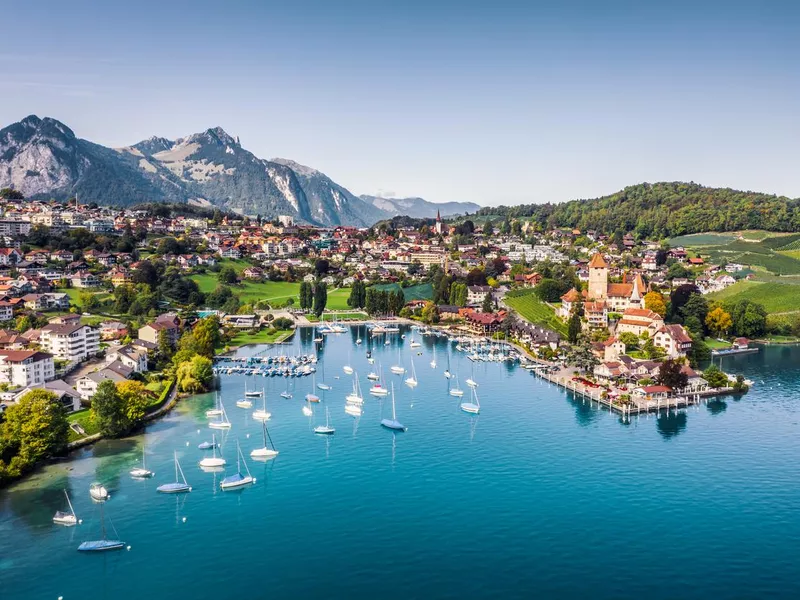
x: 65, y: 393
x: 166, y: 322
x: 112, y: 330
x: 696, y: 261
x: 741, y: 343
x: 133, y: 358
x: 477, y: 293
x: 609, y: 371
x: 49, y: 301
x: 6, y: 310
x: 10, y: 256
x: 120, y: 277
x: 253, y: 273
x: 638, y: 321
x: 87, y: 385
x: 484, y: 323
x: 24, y: 368
x: 241, y: 321
x: 596, y: 314
x: 73, y: 342
x: 84, y: 279
x: 673, y: 340
x: 652, y: 392
x: 568, y: 301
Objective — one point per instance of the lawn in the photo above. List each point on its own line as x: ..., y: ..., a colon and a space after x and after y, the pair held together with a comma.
x: 74, y: 294
x: 340, y: 316
x: 534, y: 310
x: 265, y: 336
x: 776, y: 253
x: 84, y: 419
x: 776, y: 297
x: 715, y: 344
x: 701, y: 239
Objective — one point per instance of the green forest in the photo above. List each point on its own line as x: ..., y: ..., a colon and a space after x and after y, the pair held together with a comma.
x: 663, y: 210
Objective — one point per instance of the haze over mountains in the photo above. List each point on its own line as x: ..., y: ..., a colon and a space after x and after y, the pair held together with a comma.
x: 44, y: 159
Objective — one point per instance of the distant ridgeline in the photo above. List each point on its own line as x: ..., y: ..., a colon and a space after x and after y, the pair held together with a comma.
x: 663, y: 210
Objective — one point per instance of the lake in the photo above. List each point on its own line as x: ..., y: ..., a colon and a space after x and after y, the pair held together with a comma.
x: 541, y: 495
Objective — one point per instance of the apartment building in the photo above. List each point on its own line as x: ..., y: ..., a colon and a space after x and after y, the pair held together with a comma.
x: 72, y: 342
x: 24, y: 368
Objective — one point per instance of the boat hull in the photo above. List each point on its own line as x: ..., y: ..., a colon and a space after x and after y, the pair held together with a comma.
x: 219, y: 425
x: 174, y: 488
x: 261, y: 415
x: 235, y: 481
x: 263, y: 453
x: 469, y: 407
x: 141, y: 473
x: 324, y: 430
x: 101, y: 546
x: 212, y: 462
x: 392, y: 424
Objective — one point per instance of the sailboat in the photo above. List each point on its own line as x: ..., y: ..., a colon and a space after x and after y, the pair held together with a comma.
x: 414, y: 343
x: 355, y: 396
x: 224, y: 423
x: 325, y: 429
x: 412, y: 381
x: 373, y: 376
x: 286, y: 393
x: 179, y: 486
x: 312, y: 397
x: 238, y: 480
x: 456, y: 391
x: 323, y: 386
x: 265, y: 452
x: 253, y: 393
x: 397, y: 369
x: 98, y: 492
x: 213, y: 460
x: 447, y: 370
x: 433, y: 362
x: 104, y: 543
x: 207, y: 445
x: 216, y: 411
x: 141, y: 472
x: 307, y: 409
x: 68, y: 519
x: 393, y: 423
x: 347, y: 368
x: 379, y: 389
x: 261, y: 414
x: 471, y: 382
x: 472, y: 407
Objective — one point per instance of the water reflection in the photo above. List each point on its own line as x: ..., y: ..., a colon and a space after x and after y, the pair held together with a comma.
x: 585, y: 413
x: 670, y: 424
x: 717, y: 406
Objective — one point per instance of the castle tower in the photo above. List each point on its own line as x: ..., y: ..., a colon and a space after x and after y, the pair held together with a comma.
x: 639, y: 290
x: 598, y: 278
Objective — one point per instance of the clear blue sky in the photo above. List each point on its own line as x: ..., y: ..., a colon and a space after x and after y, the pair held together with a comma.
x: 493, y: 102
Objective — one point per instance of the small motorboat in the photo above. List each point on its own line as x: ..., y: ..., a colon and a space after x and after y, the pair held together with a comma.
x: 98, y: 492
x: 286, y: 395
x: 206, y: 445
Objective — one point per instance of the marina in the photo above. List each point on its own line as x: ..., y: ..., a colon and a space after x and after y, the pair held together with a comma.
x: 518, y: 455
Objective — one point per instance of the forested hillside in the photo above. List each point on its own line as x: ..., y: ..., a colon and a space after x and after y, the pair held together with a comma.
x: 665, y: 210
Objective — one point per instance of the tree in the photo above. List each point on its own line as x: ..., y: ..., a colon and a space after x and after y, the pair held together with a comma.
x: 476, y: 276
x: 321, y: 267
x: 574, y: 327
x: 134, y: 398
x: 715, y: 377
x: 34, y: 428
x: 487, y: 303
x: 306, y: 296
x: 629, y: 339
x: 228, y: 275
x: 550, y: 290
x: 655, y: 301
x: 206, y: 336
x: 320, y: 297
x: 582, y: 357
x: 718, y: 321
x: 397, y: 301
x: 108, y: 410
x: 165, y: 348
x: 670, y: 374
x: 146, y: 273
x: 195, y: 375
x: 358, y: 295
x: 430, y: 314
x: 749, y: 318
x: 10, y: 193
x: 680, y: 296
x: 650, y: 350
x: 696, y: 307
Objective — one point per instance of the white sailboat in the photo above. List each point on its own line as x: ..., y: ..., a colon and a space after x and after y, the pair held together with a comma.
x: 412, y: 381
x: 253, y: 393
x: 261, y: 414
x: 179, y: 486
x: 98, y: 493
x: 238, y: 479
x: 414, y: 343
x: 141, y: 472
x: 393, y: 423
x: 323, y: 386
x: 223, y: 423
x: 216, y: 411
x: 373, y: 376
x: 213, y: 460
x: 456, y: 391
x: 307, y: 409
x: 354, y: 410
x: 347, y: 368
x: 472, y: 407
x: 447, y: 373
x: 325, y: 429
x: 355, y: 396
x: 312, y: 397
x: 433, y: 362
x: 266, y: 451
x: 67, y: 519
x: 397, y: 369
x: 379, y: 389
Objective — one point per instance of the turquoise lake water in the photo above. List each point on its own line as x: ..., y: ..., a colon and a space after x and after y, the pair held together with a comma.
x: 540, y: 495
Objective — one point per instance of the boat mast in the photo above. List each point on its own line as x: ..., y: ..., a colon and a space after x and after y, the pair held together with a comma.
x: 394, y: 414
x: 72, y: 510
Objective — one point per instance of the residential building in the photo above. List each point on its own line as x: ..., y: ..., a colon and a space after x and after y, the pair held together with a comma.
x: 23, y: 368
x: 638, y: 321
x: 133, y: 358
x: 13, y: 228
x: 72, y: 342
x: 477, y: 293
x: 673, y: 340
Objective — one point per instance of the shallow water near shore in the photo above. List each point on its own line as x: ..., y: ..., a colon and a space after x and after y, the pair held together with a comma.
x: 541, y: 495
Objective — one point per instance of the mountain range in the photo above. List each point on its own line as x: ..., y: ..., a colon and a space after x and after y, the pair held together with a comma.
x: 43, y: 158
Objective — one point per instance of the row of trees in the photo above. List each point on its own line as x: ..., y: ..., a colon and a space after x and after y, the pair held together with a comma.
x: 384, y: 302
x: 119, y: 409
x: 314, y: 297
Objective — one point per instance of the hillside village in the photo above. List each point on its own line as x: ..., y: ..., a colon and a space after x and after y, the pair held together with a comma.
x: 91, y: 293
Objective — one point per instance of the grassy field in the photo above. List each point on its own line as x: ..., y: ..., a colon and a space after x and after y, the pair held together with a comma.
x: 534, y: 310
x: 84, y: 419
x: 337, y: 299
x: 775, y: 253
x: 340, y: 316
x: 701, y: 239
x: 265, y: 336
x: 776, y: 297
